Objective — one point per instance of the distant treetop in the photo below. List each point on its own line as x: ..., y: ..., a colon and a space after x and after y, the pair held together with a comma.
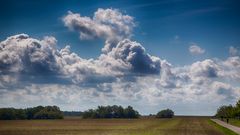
x: 165, y: 114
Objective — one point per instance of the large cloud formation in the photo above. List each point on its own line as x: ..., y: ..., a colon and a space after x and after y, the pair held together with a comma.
x: 133, y: 54
x: 109, y: 24
x: 23, y: 55
x: 20, y: 53
x: 124, y: 73
x: 116, y: 29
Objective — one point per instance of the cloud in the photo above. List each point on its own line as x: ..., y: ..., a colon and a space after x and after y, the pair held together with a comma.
x: 119, y: 52
x: 196, y: 50
x: 211, y: 69
x: 109, y: 24
x: 233, y: 51
x: 230, y: 68
x: 206, y: 68
x: 144, y: 91
x: 108, y: 78
x: 167, y: 79
x: 133, y: 54
x: 20, y: 53
x: 29, y: 58
x: 224, y: 90
x: 32, y: 60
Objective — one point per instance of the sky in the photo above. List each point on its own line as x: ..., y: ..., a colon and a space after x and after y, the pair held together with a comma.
x: 152, y: 55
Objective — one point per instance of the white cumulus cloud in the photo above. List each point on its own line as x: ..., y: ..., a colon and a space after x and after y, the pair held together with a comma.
x: 109, y: 24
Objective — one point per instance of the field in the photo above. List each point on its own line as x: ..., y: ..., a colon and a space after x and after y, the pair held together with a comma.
x: 143, y: 126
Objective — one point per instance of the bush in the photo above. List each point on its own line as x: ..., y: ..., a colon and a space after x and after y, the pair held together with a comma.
x: 165, y: 114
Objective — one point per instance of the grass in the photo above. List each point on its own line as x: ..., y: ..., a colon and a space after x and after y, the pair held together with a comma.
x: 223, y: 129
x: 143, y: 126
x: 235, y: 122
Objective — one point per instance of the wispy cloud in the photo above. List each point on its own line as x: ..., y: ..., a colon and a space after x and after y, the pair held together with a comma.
x: 194, y: 49
x: 233, y: 51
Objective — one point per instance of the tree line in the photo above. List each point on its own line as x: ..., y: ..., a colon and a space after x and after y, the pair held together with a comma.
x: 39, y: 112
x: 53, y: 112
x: 229, y: 111
x: 120, y: 112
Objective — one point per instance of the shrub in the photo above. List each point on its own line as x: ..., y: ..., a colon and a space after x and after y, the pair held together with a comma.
x: 165, y: 114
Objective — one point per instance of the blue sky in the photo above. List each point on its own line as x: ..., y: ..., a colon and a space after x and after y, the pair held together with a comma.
x: 213, y: 25
x: 195, y: 45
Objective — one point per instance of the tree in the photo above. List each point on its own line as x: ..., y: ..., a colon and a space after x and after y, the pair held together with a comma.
x: 129, y: 112
x: 225, y: 111
x: 90, y: 114
x: 49, y: 112
x: 229, y: 111
x: 7, y: 114
x: 39, y: 112
x: 167, y: 113
x: 238, y: 104
x: 20, y: 114
x: 32, y: 111
x: 118, y: 111
x: 111, y: 112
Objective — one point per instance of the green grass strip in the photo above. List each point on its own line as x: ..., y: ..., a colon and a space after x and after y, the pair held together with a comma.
x: 235, y: 122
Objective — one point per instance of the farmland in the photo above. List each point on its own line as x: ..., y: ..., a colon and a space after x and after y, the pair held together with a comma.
x: 142, y: 126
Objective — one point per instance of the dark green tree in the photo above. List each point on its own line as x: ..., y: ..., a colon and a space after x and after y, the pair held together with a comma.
x: 39, y: 112
x: 7, y: 114
x: 20, y: 114
x: 49, y: 112
x: 225, y: 111
x: 167, y: 113
x: 129, y: 112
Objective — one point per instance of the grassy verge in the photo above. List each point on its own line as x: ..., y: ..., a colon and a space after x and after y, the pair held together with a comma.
x: 222, y: 129
x: 234, y: 122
